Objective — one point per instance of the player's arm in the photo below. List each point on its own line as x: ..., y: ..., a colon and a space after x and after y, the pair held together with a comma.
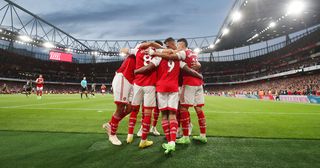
x: 150, y: 67
x: 190, y: 71
x: 150, y: 44
x: 127, y: 51
x: 169, y: 54
x: 145, y: 69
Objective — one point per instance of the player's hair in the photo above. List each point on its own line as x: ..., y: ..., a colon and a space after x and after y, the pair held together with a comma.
x: 184, y: 41
x: 159, y: 42
x: 169, y: 39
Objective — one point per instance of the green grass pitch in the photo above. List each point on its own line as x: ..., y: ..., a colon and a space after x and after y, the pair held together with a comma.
x: 65, y: 131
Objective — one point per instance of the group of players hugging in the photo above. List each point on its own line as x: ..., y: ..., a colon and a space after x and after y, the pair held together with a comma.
x: 158, y: 78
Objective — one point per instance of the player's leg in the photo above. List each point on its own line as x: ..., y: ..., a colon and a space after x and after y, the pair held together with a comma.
x: 29, y: 91
x: 41, y: 89
x: 38, y: 93
x: 149, y: 102
x: 162, y: 106
x: 132, y: 122
x: 201, y: 116
x: 139, y: 133
x: 112, y: 126
x: 165, y: 124
x: 122, y: 98
x: 136, y: 101
x: 26, y: 91
x: 122, y: 111
x: 153, y: 129
x: 187, y: 100
x: 172, y: 106
x: 86, y: 93
x: 145, y: 128
x: 173, y: 126
x: 179, y: 132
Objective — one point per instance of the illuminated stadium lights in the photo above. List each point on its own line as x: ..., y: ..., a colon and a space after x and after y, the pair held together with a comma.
x: 211, y: 46
x: 48, y: 45
x: 272, y: 25
x: 25, y: 38
x: 295, y: 8
x: 95, y: 53
x: 236, y: 16
x: 225, y: 31
x: 197, y: 50
x: 255, y: 36
x: 218, y: 40
x: 68, y: 49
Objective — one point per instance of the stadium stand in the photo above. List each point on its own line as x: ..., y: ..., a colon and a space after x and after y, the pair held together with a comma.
x: 24, y: 67
x: 301, y: 84
x: 302, y: 53
x: 296, y: 55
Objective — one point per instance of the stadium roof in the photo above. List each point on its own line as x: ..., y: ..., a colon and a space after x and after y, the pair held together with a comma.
x: 254, y: 21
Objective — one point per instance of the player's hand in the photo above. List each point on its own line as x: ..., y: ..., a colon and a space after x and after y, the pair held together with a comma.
x: 149, y: 51
x: 124, y: 50
x: 195, y: 65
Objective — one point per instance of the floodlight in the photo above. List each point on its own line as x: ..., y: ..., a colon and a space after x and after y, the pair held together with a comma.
x: 236, y: 16
x: 295, y: 8
x: 48, y: 45
x: 25, y: 38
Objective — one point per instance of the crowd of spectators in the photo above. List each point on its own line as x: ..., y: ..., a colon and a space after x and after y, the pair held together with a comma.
x: 25, y: 67
x: 299, y: 54
x: 9, y: 87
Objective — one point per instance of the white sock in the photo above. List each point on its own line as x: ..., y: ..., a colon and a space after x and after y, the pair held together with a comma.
x: 130, y: 135
x: 203, y: 135
x: 142, y: 141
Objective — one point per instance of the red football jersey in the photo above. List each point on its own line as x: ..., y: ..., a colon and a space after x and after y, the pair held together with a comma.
x: 39, y: 82
x: 188, y: 79
x: 168, y: 76
x: 127, y: 68
x: 103, y: 87
x: 147, y: 79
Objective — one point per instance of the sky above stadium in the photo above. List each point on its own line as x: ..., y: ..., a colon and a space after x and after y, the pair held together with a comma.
x: 132, y: 19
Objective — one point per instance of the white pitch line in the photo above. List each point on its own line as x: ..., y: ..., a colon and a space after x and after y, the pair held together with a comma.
x: 27, y: 105
x: 64, y: 109
x: 210, y: 111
